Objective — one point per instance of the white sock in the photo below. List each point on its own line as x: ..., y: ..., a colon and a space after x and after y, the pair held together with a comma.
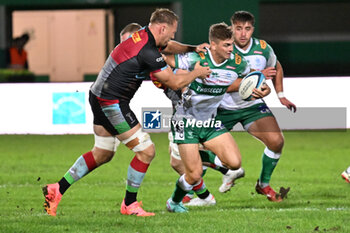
x: 184, y: 185
x: 348, y: 170
x: 263, y: 185
x: 208, y: 198
x: 217, y: 162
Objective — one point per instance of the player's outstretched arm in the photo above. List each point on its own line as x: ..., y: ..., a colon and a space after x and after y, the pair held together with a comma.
x: 269, y: 72
x: 278, y: 84
x: 175, y: 47
x: 170, y: 60
x: 178, y: 81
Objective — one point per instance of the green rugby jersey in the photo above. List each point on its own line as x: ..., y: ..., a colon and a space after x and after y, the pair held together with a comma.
x: 202, y: 97
x: 259, y: 56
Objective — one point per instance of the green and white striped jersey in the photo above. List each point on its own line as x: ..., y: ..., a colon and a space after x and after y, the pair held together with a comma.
x: 202, y: 97
x: 259, y: 56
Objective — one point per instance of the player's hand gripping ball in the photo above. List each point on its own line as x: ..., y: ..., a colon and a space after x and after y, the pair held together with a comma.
x: 253, y: 80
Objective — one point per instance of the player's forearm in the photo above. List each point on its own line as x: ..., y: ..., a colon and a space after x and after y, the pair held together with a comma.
x: 278, y: 80
x: 170, y: 60
x: 182, y: 80
x: 234, y: 86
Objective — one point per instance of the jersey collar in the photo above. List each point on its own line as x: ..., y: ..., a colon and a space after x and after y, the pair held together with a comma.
x: 248, y: 49
x: 150, y: 36
x: 213, y: 61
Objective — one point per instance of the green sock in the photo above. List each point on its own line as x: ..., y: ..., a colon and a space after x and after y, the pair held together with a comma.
x: 207, y: 156
x: 191, y: 192
x: 178, y: 193
x: 268, y: 165
x: 204, y: 172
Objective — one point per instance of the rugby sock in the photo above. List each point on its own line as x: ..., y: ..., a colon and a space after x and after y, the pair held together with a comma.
x: 204, y: 168
x: 136, y: 172
x: 215, y: 163
x: 190, y: 194
x: 210, y: 157
x: 201, y: 190
x: 82, y: 166
x: 181, y: 188
x: 269, y: 162
x: 348, y: 170
x: 207, y: 156
x: 222, y: 170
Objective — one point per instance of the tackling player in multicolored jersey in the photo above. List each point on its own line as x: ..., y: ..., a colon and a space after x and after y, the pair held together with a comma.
x: 127, y: 65
x: 194, y: 121
x: 205, y: 198
x: 255, y: 116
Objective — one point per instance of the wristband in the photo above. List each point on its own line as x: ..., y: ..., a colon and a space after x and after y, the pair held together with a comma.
x: 280, y: 95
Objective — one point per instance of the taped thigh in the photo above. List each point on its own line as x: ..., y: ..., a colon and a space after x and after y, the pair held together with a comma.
x: 139, y: 141
x: 107, y: 143
x: 174, y: 149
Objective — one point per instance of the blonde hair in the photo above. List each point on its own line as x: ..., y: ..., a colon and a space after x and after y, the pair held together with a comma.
x: 164, y: 15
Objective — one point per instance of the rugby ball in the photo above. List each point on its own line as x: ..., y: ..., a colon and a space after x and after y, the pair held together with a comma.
x: 253, y: 80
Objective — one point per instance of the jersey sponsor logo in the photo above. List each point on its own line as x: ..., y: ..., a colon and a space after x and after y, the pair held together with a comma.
x: 210, y: 90
x: 201, y: 55
x: 136, y: 37
x: 158, y: 84
x: 263, y: 44
x: 264, y: 109
x: 205, y: 63
x: 231, y: 67
x: 258, y: 52
x: 238, y: 59
x: 132, y: 120
x: 160, y: 59
x: 220, y: 80
x: 219, y: 126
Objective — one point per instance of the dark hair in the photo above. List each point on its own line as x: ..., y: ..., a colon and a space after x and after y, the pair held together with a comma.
x: 219, y: 31
x: 25, y: 37
x: 163, y: 15
x: 130, y: 28
x: 243, y: 16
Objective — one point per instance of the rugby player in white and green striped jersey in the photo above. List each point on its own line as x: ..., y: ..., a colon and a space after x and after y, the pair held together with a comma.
x: 194, y: 120
x: 254, y: 115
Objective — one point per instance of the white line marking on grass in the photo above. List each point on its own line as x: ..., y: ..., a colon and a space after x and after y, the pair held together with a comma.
x: 291, y: 209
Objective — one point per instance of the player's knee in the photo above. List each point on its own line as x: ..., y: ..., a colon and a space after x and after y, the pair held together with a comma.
x: 149, y: 152
x: 140, y: 142
x: 233, y: 163
x: 276, y: 143
x: 174, y: 163
x: 104, y: 148
x: 102, y: 156
x: 194, y: 176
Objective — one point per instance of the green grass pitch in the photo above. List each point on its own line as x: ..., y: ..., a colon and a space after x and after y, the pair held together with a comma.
x: 319, y: 200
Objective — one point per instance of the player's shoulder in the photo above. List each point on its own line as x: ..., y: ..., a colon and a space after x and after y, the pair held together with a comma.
x: 237, y: 59
x: 193, y: 56
x: 261, y: 44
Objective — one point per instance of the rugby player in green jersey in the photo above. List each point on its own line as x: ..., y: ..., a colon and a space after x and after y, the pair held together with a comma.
x: 194, y: 120
x: 255, y: 116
